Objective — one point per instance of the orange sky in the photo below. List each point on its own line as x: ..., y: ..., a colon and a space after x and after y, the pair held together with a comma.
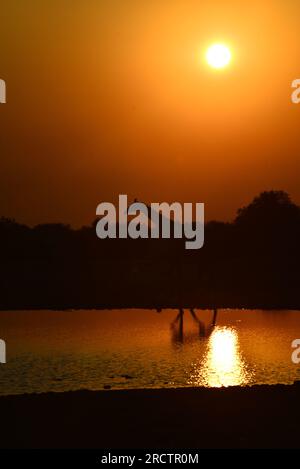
x: 114, y: 96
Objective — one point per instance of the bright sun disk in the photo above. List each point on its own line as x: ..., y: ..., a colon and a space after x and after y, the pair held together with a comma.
x: 218, y: 56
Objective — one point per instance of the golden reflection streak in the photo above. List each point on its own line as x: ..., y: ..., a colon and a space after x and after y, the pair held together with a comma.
x: 223, y: 364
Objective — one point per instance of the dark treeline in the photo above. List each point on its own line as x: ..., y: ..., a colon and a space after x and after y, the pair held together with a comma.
x: 252, y: 262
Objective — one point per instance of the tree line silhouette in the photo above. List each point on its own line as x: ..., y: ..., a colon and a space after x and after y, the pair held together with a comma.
x: 252, y: 262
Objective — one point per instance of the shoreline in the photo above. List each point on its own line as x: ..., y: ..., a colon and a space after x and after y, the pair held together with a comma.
x: 157, y: 308
x: 260, y: 416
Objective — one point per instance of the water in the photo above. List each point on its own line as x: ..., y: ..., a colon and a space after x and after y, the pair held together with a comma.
x: 69, y: 350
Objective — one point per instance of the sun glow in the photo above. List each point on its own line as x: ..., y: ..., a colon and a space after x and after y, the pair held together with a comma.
x: 218, y: 56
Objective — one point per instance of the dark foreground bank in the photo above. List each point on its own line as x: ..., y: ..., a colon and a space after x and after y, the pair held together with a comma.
x: 255, y: 417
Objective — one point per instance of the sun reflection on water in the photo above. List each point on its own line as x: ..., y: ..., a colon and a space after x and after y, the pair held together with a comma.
x: 222, y: 364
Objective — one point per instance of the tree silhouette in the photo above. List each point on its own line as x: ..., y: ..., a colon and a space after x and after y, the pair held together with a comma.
x: 252, y: 262
x: 269, y: 207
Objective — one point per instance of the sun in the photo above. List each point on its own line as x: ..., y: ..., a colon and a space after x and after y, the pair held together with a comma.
x: 218, y: 56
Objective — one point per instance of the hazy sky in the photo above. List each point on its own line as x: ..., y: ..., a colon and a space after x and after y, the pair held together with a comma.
x: 114, y: 96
